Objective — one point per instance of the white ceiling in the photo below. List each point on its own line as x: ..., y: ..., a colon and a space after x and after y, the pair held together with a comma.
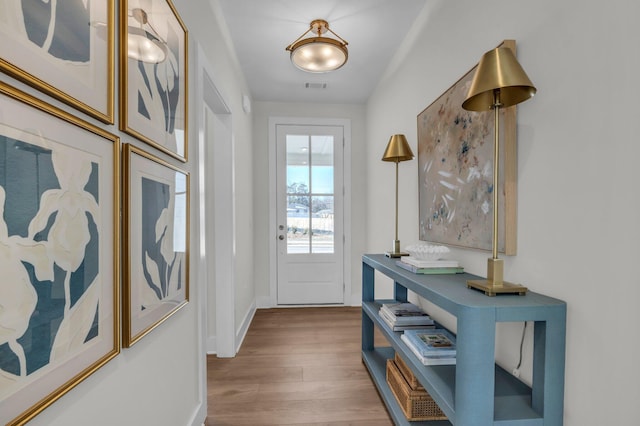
x: 261, y: 29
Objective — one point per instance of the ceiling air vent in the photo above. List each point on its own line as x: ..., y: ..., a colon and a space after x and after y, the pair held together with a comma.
x: 315, y: 85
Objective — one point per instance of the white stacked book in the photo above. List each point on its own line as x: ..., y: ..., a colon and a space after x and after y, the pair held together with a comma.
x: 419, y: 266
x: 405, y: 316
x: 435, y: 346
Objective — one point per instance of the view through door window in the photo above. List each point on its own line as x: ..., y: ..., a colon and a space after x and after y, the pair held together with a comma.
x: 310, y: 194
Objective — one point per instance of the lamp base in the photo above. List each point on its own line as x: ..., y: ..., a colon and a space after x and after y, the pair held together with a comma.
x: 396, y: 250
x: 494, y: 284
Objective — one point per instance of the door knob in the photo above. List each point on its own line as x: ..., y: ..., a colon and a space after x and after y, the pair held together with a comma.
x: 281, y: 237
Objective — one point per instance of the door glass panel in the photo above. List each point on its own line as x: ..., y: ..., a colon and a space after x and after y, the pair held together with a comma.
x: 322, y: 229
x: 298, y: 224
x: 298, y: 164
x: 298, y: 200
x: 322, y: 164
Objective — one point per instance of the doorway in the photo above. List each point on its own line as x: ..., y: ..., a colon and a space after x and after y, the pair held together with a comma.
x: 309, y: 225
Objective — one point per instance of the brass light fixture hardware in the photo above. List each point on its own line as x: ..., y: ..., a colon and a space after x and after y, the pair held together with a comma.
x: 398, y: 150
x: 318, y: 54
x: 499, y: 82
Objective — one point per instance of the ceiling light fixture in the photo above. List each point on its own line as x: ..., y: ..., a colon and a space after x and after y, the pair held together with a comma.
x: 318, y: 54
x: 144, y: 45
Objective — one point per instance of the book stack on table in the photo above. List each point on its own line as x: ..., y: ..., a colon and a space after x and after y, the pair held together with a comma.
x: 419, y: 266
x: 405, y: 316
x: 431, y: 346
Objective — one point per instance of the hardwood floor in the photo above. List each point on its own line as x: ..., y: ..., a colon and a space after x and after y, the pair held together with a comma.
x: 298, y: 366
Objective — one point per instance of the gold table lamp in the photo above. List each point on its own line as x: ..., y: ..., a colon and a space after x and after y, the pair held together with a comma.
x: 499, y: 82
x: 397, y: 150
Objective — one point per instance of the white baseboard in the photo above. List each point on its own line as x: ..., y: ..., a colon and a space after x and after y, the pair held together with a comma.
x: 265, y: 302
x: 241, y: 332
x: 244, y: 326
x: 199, y: 416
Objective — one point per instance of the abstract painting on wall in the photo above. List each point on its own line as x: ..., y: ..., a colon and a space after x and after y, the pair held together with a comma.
x: 455, y: 172
x: 156, y: 235
x: 153, y: 80
x: 63, y: 48
x: 59, y: 245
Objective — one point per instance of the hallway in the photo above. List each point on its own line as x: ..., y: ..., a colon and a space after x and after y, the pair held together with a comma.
x: 298, y: 366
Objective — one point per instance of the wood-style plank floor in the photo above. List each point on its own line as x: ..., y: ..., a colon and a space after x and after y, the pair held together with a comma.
x: 298, y: 366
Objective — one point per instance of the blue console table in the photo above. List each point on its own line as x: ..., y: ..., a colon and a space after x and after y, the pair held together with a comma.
x: 475, y: 391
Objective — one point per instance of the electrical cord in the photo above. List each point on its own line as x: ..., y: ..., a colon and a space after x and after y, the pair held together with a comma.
x: 516, y: 371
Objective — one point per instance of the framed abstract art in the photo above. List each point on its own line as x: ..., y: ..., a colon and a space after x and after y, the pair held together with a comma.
x: 156, y: 237
x: 153, y: 75
x: 455, y: 172
x: 59, y: 253
x: 63, y: 48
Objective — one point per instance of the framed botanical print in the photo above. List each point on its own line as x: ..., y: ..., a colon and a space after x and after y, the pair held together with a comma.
x: 63, y: 48
x: 455, y: 172
x: 153, y: 75
x: 59, y: 253
x: 156, y: 237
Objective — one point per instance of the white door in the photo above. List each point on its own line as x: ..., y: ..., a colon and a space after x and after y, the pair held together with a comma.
x: 309, y: 213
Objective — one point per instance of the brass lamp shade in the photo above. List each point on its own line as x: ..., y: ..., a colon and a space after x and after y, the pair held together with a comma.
x: 498, y: 69
x: 398, y: 149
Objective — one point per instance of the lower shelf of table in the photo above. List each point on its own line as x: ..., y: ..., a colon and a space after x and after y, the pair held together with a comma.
x: 508, y: 406
x: 376, y: 363
x: 512, y: 402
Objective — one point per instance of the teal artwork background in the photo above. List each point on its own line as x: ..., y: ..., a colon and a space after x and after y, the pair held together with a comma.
x: 72, y: 27
x: 26, y: 172
x: 155, y: 198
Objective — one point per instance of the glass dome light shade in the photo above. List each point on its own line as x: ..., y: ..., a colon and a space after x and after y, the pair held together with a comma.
x: 319, y: 54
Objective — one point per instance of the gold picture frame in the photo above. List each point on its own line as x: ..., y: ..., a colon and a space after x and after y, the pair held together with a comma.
x: 156, y: 242
x: 154, y: 88
x: 455, y: 152
x: 71, y: 60
x: 60, y: 238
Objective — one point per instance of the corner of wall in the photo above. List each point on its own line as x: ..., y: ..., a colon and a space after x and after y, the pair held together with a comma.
x: 244, y: 326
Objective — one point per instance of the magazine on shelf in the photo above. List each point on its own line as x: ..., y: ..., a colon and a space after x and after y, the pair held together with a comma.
x: 430, y: 270
x: 419, y: 263
x: 400, y: 327
x: 451, y: 360
x: 406, y: 314
x: 436, y: 342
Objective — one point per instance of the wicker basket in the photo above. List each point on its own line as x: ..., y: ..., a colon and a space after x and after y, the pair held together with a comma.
x: 407, y: 373
x: 415, y: 404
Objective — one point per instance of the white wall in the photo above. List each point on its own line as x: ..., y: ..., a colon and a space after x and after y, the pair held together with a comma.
x: 262, y: 192
x: 206, y: 26
x: 161, y: 380
x: 578, y: 199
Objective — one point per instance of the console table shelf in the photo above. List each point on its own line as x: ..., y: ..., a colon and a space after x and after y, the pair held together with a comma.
x: 475, y: 391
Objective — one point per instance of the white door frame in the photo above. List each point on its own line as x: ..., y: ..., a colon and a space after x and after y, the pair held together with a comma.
x: 273, y: 235
x: 218, y: 222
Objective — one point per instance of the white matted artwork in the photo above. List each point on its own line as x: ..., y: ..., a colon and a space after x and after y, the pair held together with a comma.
x: 59, y: 253
x: 156, y: 234
x: 153, y: 91
x: 63, y: 48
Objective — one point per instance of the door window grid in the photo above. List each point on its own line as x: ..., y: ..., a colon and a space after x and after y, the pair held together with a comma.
x: 310, y: 225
